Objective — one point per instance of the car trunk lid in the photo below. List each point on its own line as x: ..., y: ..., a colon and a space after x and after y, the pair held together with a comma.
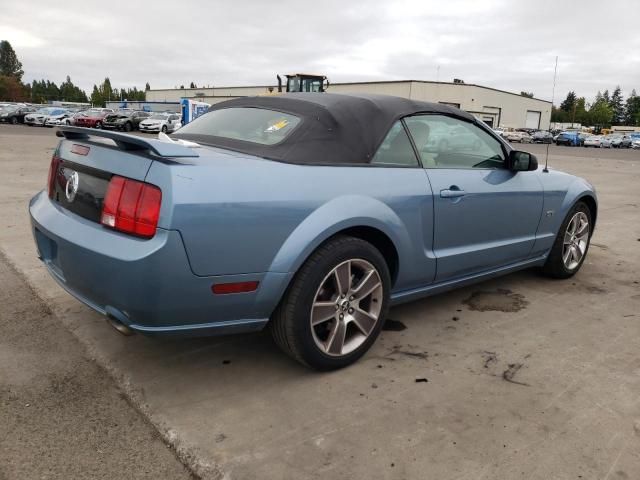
x: 86, y: 160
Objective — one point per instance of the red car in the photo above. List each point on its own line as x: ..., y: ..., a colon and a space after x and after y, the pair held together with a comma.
x: 93, y: 118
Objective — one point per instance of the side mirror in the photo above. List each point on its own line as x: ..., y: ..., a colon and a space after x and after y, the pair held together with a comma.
x: 522, y: 161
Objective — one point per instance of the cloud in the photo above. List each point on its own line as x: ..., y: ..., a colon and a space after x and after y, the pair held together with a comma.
x: 507, y: 45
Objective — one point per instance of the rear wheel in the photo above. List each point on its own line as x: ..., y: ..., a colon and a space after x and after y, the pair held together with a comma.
x: 128, y: 127
x: 335, y: 306
x: 164, y: 129
x: 572, y: 243
x: 14, y: 120
x: 98, y: 125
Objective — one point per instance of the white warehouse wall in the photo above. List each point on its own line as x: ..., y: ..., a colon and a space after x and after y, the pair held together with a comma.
x: 499, y: 107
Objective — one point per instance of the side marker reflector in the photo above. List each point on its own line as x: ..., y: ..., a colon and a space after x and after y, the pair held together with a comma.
x: 237, y: 287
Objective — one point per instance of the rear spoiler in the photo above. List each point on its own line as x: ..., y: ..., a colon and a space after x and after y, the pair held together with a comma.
x: 128, y: 142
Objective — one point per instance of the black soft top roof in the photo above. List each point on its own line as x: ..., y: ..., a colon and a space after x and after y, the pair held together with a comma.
x: 335, y: 128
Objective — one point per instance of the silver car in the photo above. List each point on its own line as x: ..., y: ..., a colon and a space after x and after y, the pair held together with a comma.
x: 593, y: 141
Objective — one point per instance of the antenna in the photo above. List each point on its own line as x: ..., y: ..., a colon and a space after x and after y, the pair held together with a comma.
x: 553, y: 97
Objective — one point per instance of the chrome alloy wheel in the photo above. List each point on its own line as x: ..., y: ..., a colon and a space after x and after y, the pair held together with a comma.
x: 346, y: 307
x: 576, y: 240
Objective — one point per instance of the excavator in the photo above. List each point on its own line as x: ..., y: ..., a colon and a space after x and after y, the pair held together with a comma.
x: 304, y: 82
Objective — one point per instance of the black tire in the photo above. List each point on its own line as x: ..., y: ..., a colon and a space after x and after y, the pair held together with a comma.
x: 554, y: 266
x: 98, y: 125
x: 128, y: 127
x: 14, y: 121
x: 290, y: 324
x: 164, y: 129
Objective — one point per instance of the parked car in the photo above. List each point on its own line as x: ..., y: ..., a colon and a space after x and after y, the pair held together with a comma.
x: 124, y: 120
x: 605, y: 141
x: 72, y: 119
x: 161, y: 122
x: 569, y: 139
x: 40, y: 117
x: 542, y: 137
x: 15, y: 114
x: 499, y: 131
x: 518, y: 136
x: 593, y: 141
x: 93, y: 118
x: 620, y: 141
x: 60, y: 119
x: 443, y: 140
x: 258, y: 215
x: 635, y: 143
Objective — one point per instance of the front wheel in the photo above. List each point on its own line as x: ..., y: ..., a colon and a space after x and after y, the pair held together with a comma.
x: 572, y: 243
x: 98, y: 125
x: 128, y: 127
x: 14, y: 120
x: 164, y: 129
x: 335, y: 306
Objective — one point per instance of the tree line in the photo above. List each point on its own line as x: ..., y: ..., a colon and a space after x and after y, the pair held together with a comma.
x: 42, y: 91
x: 606, y: 110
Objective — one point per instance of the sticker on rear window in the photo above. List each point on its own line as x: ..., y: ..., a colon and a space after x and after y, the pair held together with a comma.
x: 279, y: 125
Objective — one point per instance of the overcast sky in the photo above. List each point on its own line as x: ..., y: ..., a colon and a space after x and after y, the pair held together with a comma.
x: 503, y: 44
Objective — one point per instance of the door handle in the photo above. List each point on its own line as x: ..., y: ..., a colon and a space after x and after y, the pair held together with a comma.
x: 452, y: 192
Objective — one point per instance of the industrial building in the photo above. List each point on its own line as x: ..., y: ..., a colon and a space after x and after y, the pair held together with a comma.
x: 493, y: 106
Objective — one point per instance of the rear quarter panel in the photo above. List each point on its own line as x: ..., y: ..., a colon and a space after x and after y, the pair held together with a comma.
x: 240, y: 214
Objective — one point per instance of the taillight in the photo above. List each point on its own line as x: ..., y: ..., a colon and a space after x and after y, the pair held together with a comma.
x: 53, y: 170
x: 131, y: 206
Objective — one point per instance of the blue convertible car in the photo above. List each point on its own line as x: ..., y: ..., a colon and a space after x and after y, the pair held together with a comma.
x: 308, y: 213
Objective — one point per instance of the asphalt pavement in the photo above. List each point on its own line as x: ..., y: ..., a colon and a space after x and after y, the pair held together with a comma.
x: 61, y: 415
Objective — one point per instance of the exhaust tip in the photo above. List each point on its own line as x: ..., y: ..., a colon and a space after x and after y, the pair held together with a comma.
x: 119, y: 326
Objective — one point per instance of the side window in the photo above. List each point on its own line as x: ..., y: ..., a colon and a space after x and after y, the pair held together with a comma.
x: 396, y: 149
x: 445, y: 142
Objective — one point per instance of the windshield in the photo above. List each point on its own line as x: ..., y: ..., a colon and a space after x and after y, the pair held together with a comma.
x: 256, y: 125
x: 158, y: 117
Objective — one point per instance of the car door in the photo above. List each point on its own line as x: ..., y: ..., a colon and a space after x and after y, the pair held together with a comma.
x: 485, y: 216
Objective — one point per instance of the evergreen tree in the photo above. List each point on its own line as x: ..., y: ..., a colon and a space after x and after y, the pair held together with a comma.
x: 97, y: 100
x: 632, y: 110
x: 569, y: 103
x: 147, y: 87
x: 10, y: 66
x: 580, y: 113
x: 524, y: 94
x: 617, y: 106
x: 106, y: 91
x: 605, y: 96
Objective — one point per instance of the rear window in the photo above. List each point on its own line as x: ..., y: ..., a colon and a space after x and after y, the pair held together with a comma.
x: 255, y: 125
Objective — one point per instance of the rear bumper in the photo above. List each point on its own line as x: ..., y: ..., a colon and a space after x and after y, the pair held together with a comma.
x: 147, y: 285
